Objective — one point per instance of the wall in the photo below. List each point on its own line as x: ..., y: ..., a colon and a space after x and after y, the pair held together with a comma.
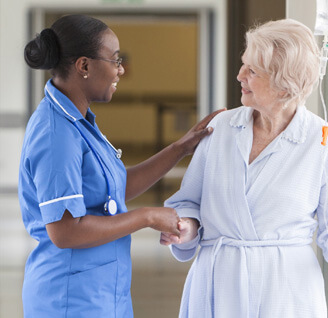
x: 242, y: 15
x: 162, y: 65
x: 305, y: 12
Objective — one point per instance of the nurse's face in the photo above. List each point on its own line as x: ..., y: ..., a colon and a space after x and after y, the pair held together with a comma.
x: 256, y: 87
x: 106, y: 69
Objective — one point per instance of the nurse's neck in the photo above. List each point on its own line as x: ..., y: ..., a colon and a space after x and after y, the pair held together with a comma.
x: 74, y: 91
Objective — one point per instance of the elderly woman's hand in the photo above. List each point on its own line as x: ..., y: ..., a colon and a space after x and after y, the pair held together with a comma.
x: 190, y: 140
x: 188, y: 231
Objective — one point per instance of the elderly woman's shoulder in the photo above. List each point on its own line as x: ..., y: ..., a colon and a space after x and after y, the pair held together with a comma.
x: 311, y: 125
x: 314, y: 117
x: 226, y: 116
x: 313, y: 122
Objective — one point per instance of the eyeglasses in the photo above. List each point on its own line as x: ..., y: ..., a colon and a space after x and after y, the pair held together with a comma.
x: 118, y: 61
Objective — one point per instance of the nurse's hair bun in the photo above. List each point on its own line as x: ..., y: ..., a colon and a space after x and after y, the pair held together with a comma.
x: 43, y: 51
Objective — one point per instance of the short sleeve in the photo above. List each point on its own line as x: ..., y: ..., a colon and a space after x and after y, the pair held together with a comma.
x: 55, y: 164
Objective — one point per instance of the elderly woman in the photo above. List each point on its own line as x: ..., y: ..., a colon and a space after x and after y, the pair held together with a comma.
x: 256, y: 191
x: 73, y: 185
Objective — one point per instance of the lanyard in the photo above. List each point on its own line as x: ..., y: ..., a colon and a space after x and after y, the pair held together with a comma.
x: 110, y: 206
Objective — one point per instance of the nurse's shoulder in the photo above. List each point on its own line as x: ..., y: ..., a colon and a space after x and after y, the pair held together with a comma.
x: 49, y: 133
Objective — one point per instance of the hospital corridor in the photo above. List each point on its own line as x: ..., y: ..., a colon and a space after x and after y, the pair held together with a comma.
x: 181, y: 59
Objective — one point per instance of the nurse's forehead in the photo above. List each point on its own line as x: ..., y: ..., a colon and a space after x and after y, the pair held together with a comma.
x: 109, y: 52
x: 110, y: 43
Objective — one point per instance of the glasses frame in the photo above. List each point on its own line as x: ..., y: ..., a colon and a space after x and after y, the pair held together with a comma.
x: 118, y: 61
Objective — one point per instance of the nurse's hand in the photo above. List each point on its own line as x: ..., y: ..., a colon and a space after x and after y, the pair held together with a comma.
x: 143, y: 175
x: 190, y: 140
x: 188, y: 231
x: 164, y: 220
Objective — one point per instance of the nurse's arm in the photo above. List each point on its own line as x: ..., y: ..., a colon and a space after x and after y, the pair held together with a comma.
x: 90, y: 230
x: 142, y: 176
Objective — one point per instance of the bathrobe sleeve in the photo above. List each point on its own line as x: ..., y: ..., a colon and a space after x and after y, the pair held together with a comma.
x: 322, y: 214
x: 187, y: 200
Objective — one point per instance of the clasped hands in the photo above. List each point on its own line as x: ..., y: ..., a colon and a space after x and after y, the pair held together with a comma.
x: 188, y: 228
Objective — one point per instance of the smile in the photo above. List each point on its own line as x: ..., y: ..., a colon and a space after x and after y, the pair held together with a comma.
x: 245, y: 90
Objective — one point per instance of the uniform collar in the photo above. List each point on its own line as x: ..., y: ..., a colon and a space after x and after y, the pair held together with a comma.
x: 64, y: 105
x: 295, y: 132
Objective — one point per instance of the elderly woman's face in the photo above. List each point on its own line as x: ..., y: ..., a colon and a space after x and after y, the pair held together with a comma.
x: 256, y: 88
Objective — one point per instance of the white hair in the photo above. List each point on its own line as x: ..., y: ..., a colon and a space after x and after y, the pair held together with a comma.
x: 287, y: 51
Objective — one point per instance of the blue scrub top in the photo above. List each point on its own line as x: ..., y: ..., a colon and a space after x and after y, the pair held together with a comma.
x: 58, y: 172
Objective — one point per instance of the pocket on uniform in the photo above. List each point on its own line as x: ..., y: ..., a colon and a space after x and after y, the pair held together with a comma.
x: 91, y: 293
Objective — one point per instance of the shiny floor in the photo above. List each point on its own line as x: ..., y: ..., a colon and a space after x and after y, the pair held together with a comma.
x: 157, y: 277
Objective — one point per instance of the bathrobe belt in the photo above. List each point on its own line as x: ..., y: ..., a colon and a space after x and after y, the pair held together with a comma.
x: 216, y: 244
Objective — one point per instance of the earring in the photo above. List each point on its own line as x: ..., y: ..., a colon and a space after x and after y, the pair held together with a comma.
x: 85, y: 76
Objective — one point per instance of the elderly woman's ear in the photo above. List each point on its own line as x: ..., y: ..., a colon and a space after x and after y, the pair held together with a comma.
x: 282, y: 94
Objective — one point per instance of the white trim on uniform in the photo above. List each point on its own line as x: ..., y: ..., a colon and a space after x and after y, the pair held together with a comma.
x: 61, y: 199
x: 56, y: 101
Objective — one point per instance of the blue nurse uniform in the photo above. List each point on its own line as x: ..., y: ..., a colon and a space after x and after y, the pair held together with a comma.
x: 58, y: 172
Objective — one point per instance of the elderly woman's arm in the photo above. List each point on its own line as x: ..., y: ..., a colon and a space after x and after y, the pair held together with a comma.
x: 322, y: 214
x: 142, y: 176
x: 187, y: 202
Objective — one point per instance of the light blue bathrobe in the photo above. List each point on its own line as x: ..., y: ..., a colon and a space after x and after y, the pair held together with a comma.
x: 257, y: 221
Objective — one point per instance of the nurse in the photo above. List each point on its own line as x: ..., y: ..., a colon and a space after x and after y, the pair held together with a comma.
x: 73, y: 185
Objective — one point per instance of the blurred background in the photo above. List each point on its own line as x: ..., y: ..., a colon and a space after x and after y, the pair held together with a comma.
x: 181, y: 59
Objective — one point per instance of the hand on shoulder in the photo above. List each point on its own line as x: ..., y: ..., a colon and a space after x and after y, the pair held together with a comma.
x: 190, y: 140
